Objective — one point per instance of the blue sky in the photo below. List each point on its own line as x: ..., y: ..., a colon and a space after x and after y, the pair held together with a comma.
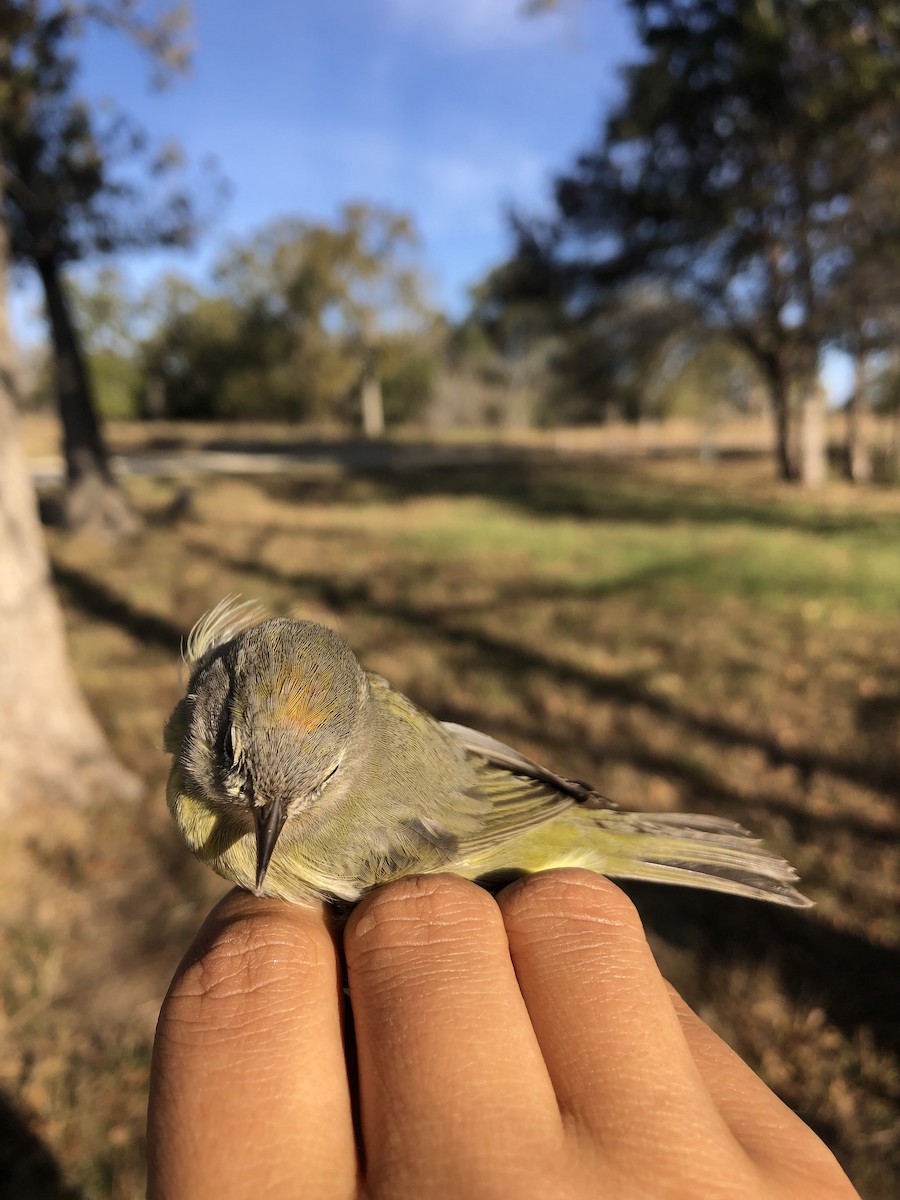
x: 446, y: 110
x: 449, y: 110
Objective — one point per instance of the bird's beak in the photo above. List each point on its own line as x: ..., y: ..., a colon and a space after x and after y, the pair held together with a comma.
x: 270, y: 818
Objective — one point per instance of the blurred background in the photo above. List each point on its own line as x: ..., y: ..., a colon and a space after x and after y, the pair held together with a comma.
x: 547, y: 350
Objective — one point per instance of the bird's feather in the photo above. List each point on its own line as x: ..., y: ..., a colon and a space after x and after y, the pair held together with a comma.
x: 229, y: 617
x: 581, y: 830
x: 498, y: 754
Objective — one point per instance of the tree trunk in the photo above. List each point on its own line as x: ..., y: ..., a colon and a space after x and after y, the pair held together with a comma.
x: 155, y: 398
x: 372, y: 406
x: 813, y: 462
x: 859, y: 455
x: 93, y: 497
x: 781, y: 412
x: 50, y: 747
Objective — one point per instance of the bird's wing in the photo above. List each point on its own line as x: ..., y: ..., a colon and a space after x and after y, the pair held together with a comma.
x: 513, y: 804
x: 499, y: 797
x: 520, y: 793
x: 498, y: 754
x: 419, y: 832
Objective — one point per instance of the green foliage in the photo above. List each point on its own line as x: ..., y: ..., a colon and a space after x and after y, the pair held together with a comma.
x: 70, y: 184
x: 106, y: 311
x: 715, y: 378
x: 500, y: 353
x: 407, y: 382
x: 192, y: 351
x: 644, y: 353
x: 117, y: 385
x: 621, y: 359
x: 299, y: 312
x: 886, y: 388
x: 753, y: 167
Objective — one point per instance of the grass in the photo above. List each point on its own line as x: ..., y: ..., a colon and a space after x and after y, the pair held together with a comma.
x: 687, y: 636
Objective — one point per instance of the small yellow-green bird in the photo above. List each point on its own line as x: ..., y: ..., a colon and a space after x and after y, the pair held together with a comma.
x: 298, y: 774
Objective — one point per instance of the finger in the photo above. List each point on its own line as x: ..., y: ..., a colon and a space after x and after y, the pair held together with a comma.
x: 453, y: 1089
x: 626, y: 1078
x: 248, y: 1092
x: 769, y: 1131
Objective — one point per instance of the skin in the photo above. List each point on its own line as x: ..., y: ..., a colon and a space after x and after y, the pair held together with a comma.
x: 522, y: 1047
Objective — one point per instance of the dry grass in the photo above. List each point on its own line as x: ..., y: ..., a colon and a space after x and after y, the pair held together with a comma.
x: 686, y: 636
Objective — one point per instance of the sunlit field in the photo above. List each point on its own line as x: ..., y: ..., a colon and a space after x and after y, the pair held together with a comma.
x: 685, y: 635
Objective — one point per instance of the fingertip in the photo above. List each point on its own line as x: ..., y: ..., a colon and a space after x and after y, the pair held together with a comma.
x: 251, y: 1026
x: 247, y: 946
x: 547, y: 897
x: 427, y: 901
x: 445, y: 1046
x: 238, y: 905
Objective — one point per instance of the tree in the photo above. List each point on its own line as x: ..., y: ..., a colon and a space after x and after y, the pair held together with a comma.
x: 378, y: 297
x: 506, y: 343
x: 306, y: 319
x: 355, y: 287
x: 51, y: 746
x: 70, y: 192
x: 884, y: 386
x: 621, y: 359
x: 741, y: 169
x: 197, y: 347
x: 867, y: 317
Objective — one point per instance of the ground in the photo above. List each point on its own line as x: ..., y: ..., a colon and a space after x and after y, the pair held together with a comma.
x: 685, y: 634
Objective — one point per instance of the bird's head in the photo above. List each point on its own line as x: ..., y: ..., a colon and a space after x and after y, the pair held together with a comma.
x: 269, y: 719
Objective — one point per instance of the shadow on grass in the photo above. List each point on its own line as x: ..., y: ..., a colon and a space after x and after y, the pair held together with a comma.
x: 816, y: 963
x: 856, y: 981
x: 85, y: 593
x: 353, y: 452
x: 587, y: 489
x: 28, y: 1170
x: 510, y: 658
x: 702, y: 789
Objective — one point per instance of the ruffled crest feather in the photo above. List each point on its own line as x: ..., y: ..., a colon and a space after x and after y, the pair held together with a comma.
x: 229, y: 617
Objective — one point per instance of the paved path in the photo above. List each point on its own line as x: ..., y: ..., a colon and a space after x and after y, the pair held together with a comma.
x: 224, y: 457
x: 313, y: 457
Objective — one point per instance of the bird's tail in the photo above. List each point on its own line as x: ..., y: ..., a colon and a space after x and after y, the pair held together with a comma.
x: 676, y: 848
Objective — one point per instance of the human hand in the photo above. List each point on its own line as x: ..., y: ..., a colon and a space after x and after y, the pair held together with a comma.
x: 523, y: 1047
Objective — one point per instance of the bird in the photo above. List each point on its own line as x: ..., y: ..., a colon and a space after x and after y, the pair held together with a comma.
x: 298, y: 774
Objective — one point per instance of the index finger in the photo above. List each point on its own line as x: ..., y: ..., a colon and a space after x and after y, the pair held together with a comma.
x: 248, y: 1088
x: 453, y: 1090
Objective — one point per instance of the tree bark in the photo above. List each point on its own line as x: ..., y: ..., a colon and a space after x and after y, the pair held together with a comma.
x: 859, y: 455
x: 51, y: 746
x: 93, y: 497
x: 372, y: 406
x: 781, y: 412
x: 813, y: 460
